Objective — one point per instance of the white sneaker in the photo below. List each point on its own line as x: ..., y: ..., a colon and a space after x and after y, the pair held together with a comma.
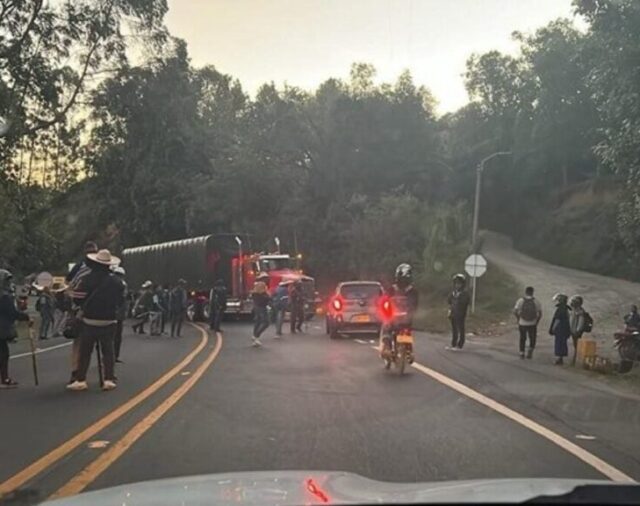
x: 448, y: 348
x: 256, y: 341
x: 77, y: 386
x: 108, y: 385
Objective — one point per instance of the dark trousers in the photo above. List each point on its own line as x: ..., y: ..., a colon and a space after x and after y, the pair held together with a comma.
x: 297, y: 317
x: 457, y: 332
x: 177, y: 317
x: 117, y: 341
x: 216, y: 318
x: 138, y: 327
x: 163, y: 321
x: 4, y: 359
x: 262, y: 322
x: 530, y: 331
x: 89, y: 336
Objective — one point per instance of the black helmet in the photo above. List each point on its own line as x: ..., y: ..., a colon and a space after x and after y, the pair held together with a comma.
x: 459, y: 277
x: 5, y: 279
x: 404, y: 271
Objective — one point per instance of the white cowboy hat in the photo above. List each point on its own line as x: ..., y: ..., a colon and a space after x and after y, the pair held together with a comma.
x: 118, y: 270
x: 103, y: 257
x: 147, y: 284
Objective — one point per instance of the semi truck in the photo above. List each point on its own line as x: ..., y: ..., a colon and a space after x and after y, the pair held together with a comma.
x: 200, y: 261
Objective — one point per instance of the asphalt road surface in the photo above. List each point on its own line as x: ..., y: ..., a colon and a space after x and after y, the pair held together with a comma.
x: 209, y: 404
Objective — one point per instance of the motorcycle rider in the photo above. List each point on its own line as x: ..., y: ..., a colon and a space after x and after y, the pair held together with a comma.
x: 404, y: 297
x: 632, y: 319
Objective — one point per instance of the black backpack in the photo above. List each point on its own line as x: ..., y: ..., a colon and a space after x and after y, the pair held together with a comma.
x: 588, y: 322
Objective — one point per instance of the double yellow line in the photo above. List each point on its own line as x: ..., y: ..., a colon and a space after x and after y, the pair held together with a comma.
x: 98, y: 466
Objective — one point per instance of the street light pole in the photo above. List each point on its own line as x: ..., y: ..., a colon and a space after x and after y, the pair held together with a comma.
x: 476, y: 217
x: 476, y: 206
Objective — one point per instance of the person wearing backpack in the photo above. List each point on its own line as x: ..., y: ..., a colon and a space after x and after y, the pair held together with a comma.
x: 579, y: 322
x: 528, y: 312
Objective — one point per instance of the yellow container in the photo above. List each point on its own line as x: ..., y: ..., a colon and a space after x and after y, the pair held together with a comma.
x: 586, y: 349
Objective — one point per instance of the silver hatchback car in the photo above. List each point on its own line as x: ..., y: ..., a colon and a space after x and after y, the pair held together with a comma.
x: 354, y: 308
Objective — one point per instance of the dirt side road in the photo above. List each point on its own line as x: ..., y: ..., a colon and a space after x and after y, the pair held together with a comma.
x: 606, y: 299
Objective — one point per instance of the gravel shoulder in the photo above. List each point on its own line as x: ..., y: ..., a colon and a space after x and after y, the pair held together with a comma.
x: 607, y: 299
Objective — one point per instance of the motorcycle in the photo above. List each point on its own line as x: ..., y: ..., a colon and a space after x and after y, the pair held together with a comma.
x: 628, y: 345
x: 397, y: 349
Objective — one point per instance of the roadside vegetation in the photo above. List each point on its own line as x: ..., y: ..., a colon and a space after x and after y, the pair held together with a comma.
x: 356, y: 174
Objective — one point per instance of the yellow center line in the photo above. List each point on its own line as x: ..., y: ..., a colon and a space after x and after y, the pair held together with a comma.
x: 31, y: 471
x: 85, y: 477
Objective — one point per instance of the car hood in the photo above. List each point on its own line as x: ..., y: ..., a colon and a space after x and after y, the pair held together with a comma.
x: 288, y: 488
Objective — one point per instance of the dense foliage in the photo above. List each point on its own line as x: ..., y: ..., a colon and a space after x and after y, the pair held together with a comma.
x: 357, y: 175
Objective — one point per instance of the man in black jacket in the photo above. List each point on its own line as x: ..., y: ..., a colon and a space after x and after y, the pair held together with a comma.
x: 8, y: 316
x: 101, y: 294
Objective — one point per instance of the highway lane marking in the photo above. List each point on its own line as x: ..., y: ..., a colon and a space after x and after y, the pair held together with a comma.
x: 31, y: 471
x: 85, y: 477
x: 41, y: 350
x: 589, y: 458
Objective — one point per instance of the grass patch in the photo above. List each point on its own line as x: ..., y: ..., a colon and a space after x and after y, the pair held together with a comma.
x: 496, y: 295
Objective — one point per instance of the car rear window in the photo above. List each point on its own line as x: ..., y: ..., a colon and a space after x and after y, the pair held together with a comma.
x: 364, y: 291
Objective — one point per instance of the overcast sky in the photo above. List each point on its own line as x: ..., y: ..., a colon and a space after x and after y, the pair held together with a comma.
x: 303, y: 42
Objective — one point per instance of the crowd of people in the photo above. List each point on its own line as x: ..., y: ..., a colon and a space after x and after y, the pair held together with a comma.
x: 570, y: 320
x: 288, y: 296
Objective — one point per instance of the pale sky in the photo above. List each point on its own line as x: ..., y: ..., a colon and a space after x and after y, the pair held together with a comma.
x: 304, y: 42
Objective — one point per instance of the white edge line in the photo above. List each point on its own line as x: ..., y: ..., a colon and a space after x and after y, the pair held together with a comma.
x: 589, y: 458
x: 41, y: 350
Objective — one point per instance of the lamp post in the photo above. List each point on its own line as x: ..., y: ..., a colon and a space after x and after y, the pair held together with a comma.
x: 476, y: 206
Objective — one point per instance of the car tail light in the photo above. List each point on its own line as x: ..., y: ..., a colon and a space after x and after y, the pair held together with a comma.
x: 337, y: 304
x: 386, y: 309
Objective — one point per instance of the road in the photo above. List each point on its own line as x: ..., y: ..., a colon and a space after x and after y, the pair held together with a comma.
x: 306, y: 402
x: 607, y: 299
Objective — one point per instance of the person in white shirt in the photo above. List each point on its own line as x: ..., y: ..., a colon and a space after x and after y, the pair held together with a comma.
x: 528, y: 312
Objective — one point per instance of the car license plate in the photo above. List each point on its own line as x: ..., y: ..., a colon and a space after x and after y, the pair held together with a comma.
x: 405, y: 339
x: 361, y: 318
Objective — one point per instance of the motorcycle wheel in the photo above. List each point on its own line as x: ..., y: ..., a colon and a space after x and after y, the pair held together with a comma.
x: 627, y: 352
x: 401, y: 359
x: 625, y: 366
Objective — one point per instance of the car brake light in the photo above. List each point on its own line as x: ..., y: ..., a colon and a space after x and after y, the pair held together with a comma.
x: 337, y: 304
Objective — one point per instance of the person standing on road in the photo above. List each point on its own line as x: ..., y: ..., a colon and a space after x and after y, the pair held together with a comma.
x: 155, y: 317
x: 164, y: 293
x: 296, y: 304
x: 458, y: 305
x: 217, y: 304
x: 101, y: 294
x: 79, y: 270
x: 143, y: 307
x: 121, y: 312
x: 577, y: 321
x: 560, y: 327
x: 528, y: 312
x: 178, y: 307
x: 261, y: 301
x: 45, y: 306
x: 9, y: 314
x: 280, y: 304
x: 62, y: 306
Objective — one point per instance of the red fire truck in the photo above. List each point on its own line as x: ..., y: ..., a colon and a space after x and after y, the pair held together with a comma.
x: 203, y: 260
